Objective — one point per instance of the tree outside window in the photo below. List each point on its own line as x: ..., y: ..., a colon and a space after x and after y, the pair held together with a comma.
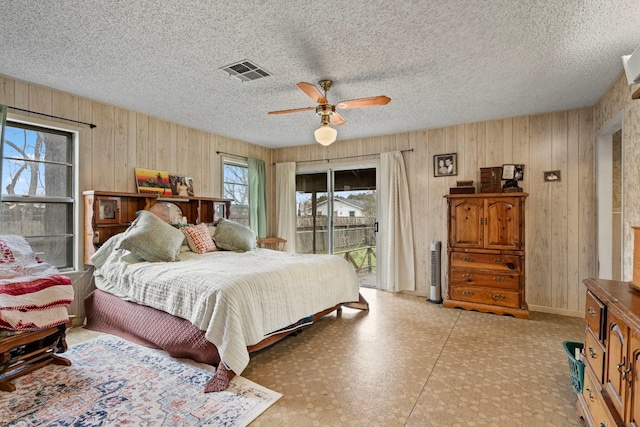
x: 236, y: 188
x: 37, y: 190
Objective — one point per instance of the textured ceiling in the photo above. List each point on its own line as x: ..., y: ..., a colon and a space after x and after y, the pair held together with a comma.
x: 441, y: 62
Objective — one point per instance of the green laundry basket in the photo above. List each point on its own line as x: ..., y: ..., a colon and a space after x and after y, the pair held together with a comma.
x: 576, y: 367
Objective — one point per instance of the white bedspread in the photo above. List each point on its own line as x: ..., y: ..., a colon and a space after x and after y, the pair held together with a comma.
x: 237, y: 298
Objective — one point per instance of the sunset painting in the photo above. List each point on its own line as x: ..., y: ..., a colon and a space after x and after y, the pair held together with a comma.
x: 152, y: 181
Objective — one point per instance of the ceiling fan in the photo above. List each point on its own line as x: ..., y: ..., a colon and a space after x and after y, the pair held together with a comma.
x: 325, y: 134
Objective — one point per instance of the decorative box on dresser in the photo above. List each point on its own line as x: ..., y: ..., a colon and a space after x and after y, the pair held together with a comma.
x: 486, y: 255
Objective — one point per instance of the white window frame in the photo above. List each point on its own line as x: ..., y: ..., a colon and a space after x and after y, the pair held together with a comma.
x: 77, y: 228
x: 237, y: 162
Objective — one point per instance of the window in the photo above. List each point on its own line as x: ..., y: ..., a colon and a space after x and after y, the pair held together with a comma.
x: 236, y: 188
x: 38, y: 190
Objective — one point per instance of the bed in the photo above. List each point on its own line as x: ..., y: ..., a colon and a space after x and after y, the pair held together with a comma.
x: 216, y: 306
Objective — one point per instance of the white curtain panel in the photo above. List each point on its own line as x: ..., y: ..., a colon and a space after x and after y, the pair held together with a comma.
x: 396, y: 263
x: 286, y: 204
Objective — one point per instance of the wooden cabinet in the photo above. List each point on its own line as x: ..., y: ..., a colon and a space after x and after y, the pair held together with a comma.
x: 485, y: 249
x: 107, y: 213
x: 611, y: 354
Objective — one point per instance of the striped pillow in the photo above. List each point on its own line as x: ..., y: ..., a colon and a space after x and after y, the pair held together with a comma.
x: 199, y: 239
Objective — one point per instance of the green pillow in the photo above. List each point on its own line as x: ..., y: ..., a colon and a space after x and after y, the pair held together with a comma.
x: 152, y: 239
x: 233, y: 236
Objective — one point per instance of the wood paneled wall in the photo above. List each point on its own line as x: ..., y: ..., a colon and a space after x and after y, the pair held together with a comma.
x: 560, y: 216
x: 123, y: 140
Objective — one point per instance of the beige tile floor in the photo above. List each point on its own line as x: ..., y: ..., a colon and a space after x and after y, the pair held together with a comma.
x: 411, y: 363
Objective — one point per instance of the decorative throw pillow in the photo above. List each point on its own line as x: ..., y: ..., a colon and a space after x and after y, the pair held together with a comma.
x: 152, y: 239
x: 233, y: 236
x: 199, y: 239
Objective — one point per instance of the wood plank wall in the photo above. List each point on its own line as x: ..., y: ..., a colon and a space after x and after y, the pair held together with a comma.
x: 124, y: 140
x: 560, y: 216
x: 560, y: 228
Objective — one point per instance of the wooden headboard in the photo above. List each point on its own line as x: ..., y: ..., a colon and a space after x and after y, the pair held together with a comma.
x: 109, y: 213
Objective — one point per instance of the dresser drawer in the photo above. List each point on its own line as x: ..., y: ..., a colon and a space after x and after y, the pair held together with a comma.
x: 485, y: 261
x: 594, y: 354
x: 595, y: 403
x: 594, y: 314
x: 485, y: 295
x: 496, y: 280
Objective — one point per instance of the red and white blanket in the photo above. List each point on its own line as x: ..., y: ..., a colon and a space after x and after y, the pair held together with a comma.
x: 33, y: 295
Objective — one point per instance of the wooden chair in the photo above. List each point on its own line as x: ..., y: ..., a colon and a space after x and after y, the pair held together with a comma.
x: 275, y: 243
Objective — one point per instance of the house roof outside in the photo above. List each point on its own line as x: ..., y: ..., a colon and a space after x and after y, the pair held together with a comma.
x: 441, y: 63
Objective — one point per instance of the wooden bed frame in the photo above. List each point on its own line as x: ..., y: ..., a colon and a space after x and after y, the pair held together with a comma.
x: 110, y: 314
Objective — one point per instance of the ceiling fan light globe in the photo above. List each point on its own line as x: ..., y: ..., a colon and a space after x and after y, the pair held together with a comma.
x: 325, y: 135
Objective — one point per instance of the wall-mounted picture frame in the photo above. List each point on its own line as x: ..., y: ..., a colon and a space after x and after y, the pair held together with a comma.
x: 551, y: 176
x: 445, y: 164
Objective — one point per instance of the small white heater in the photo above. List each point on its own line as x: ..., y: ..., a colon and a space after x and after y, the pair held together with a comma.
x: 435, y: 294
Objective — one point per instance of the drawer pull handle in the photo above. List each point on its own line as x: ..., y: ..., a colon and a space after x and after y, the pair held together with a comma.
x: 625, y: 374
x: 467, y: 276
x: 499, y: 261
x: 468, y: 259
x: 591, y: 398
x: 591, y: 311
x: 467, y: 293
x: 592, y: 353
x: 603, y: 424
x: 498, y: 297
x: 498, y: 279
x: 621, y: 364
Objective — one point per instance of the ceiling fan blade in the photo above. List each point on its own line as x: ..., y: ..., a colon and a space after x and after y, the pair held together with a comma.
x: 364, y: 102
x: 312, y: 92
x: 337, y: 119
x: 295, y: 110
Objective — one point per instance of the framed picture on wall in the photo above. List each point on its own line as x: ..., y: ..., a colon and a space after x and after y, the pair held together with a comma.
x: 445, y: 164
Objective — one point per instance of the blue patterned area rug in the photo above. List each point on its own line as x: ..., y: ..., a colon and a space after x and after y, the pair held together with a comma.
x: 114, y: 382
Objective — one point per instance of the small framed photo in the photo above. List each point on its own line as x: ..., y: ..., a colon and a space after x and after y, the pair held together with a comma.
x: 552, y: 176
x: 445, y: 164
x: 108, y: 210
x: 512, y: 172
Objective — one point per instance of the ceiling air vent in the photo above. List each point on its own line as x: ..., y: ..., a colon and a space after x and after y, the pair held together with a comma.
x: 245, y: 71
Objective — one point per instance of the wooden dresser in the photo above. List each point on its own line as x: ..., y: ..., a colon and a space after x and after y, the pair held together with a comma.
x: 486, y: 255
x: 610, y: 394
x: 108, y: 213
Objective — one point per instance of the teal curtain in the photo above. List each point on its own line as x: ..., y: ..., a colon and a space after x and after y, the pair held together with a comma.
x: 3, y: 122
x: 258, y: 197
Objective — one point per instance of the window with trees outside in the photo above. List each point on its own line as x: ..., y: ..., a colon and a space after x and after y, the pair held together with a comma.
x: 236, y: 188
x: 38, y: 190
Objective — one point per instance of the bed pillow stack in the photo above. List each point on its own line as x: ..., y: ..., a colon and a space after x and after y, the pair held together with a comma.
x: 233, y: 236
x: 152, y: 239
x: 199, y: 238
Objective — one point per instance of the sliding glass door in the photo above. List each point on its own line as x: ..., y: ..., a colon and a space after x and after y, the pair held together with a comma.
x: 337, y: 215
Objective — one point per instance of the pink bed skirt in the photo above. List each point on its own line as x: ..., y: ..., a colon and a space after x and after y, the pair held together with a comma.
x: 148, y: 327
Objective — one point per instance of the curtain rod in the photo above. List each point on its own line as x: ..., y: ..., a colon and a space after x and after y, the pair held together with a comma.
x: 409, y: 150
x: 91, y: 125
x: 234, y: 155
